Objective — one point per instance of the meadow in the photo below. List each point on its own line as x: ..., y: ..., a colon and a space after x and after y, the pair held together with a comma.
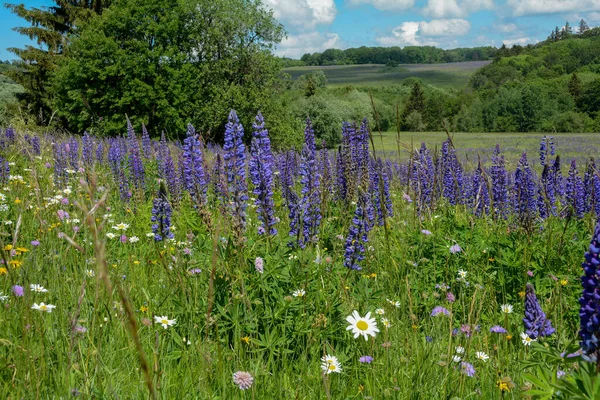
x: 455, y: 75
x: 142, y: 268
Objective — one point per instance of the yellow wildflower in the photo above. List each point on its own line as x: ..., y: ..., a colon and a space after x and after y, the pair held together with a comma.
x: 17, y: 201
x: 246, y: 339
x: 564, y: 282
x: 8, y: 247
x: 143, y: 308
x: 15, y: 263
x: 3, y: 271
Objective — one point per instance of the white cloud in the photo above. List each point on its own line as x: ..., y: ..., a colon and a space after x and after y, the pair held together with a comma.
x: 520, y: 41
x: 528, y: 7
x: 506, y: 28
x: 420, y: 33
x: 294, y: 46
x: 444, y: 27
x: 393, y: 5
x: 593, y: 17
x: 455, y: 8
x: 303, y: 13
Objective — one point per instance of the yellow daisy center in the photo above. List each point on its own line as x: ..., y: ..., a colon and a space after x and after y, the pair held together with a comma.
x: 43, y: 307
x: 362, y: 325
x: 331, y: 367
x: 164, y: 321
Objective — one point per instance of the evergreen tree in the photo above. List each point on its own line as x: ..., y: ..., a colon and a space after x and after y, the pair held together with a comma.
x: 49, y: 28
x: 574, y: 87
x: 416, y: 102
x: 557, y: 34
x: 583, y: 26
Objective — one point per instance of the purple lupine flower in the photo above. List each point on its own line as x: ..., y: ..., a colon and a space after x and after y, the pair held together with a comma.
x: 72, y: 148
x: 34, y: 142
x: 135, y: 164
x: 357, y: 237
x: 328, y: 187
x: 524, y: 192
x: 423, y: 177
x: 261, y: 173
x: 535, y: 321
x: 100, y: 151
x: 499, y: 182
x: 234, y: 157
x: 453, y: 175
x: 589, y: 312
x: 546, y: 148
x: 439, y: 310
x: 309, y: 207
x: 498, y: 329
x: 60, y: 165
x: 167, y: 170
x: 194, y: 174
x: 559, y: 187
x: 547, y: 193
x: 480, y: 192
x: 146, y: 143
x: 161, y: 215
x: 219, y: 181
x: 574, y: 192
x: 87, y: 149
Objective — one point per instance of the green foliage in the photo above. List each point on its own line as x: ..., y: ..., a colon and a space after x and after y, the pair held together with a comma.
x: 50, y: 27
x: 183, y: 62
x: 394, y: 55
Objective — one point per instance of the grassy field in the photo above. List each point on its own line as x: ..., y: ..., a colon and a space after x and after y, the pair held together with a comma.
x: 470, y: 146
x: 445, y: 75
x: 94, y: 305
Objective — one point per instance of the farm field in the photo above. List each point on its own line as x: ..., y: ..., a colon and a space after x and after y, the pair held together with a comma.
x: 443, y: 75
x: 139, y: 268
x: 470, y: 146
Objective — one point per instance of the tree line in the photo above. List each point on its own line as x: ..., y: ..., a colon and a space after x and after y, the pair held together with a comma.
x: 396, y: 55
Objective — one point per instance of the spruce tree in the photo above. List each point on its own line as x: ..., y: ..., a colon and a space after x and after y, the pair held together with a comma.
x: 583, y: 26
x: 49, y: 27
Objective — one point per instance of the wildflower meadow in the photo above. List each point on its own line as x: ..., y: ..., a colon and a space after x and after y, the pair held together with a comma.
x: 136, y: 267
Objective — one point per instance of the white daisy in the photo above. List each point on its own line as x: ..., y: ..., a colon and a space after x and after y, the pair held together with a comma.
x: 456, y: 359
x: 506, y: 308
x: 460, y: 350
x: 38, y: 288
x: 380, y: 311
x: 362, y: 326
x: 150, y: 234
x: 164, y: 321
x: 386, y: 322
x: 462, y: 274
x: 526, y: 339
x: 111, y: 235
x: 90, y: 273
x: 482, y: 356
x: 3, y: 297
x: 394, y: 303
x: 330, y: 364
x: 298, y: 293
x: 121, y: 226
x: 43, y: 307
x: 134, y: 239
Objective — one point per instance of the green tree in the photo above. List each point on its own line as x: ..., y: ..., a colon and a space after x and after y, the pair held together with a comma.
x: 574, y: 87
x: 415, y: 102
x: 583, y: 26
x: 167, y: 63
x: 50, y: 27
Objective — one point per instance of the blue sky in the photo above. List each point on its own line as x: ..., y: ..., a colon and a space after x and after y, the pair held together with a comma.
x: 315, y: 25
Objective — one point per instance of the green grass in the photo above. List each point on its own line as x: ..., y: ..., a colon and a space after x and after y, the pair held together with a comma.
x: 256, y: 324
x: 455, y: 75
